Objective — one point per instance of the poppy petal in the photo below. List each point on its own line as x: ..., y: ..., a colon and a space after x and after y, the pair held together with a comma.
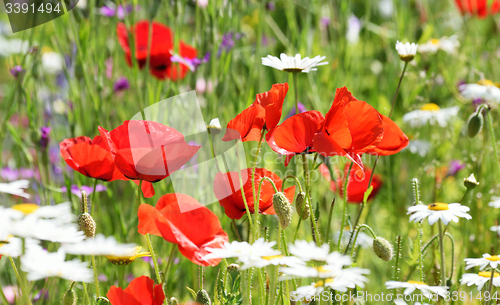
x: 272, y: 101
x: 393, y: 141
x: 336, y: 125
x: 296, y: 133
x: 248, y: 123
x: 365, y: 126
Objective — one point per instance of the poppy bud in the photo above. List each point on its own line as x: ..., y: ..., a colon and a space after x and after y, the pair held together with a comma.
x: 471, y: 182
x: 102, y: 301
x: 203, y: 298
x: 233, y: 267
x: 173, y: 301
x: 382, y: 248
x: 299, y: 201
x: 475, y: 124
x: 283, y: 209
x: 85, y: 220
x: 69, y: 297
x: 306, y: 212
x: 214, y: 126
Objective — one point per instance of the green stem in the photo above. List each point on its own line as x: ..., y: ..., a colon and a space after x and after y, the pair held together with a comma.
x: 297, y: 230
x: 344, y: 213
x: 330, y: 215
x: 92, y: 200
x: 490, y: 287
x: 96, y: 278
x: 255, y: 201
x: 493, y: 140
x: 363, y: 226
x: 153, y: 257
x: 441, y: 252
x: 250, y: 221
x: 398, y: 255
x: 2, y: 297
x: 295, y: 88
x: 308, y: 200
x: 22, y: 283
x: 397, y: 90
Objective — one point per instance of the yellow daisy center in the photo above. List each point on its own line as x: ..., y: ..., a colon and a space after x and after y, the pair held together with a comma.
x: 127, y: 260
x: 322, y: 283
x: 26, y: 208
x: 416, y: 283
x: 272, y: 257
x: 434, y: 41
x: 493, y: 258
x: 430, y: 107
x: 488, y: 274
x: 485, y: 82
x: 438, y: 206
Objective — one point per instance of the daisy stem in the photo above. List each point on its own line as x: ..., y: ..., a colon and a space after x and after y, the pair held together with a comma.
x: 441, y: 252
x: 344, y: 213
x: 490, y: 286
x: 24, y: 291
x: 493, y: 140
x: 308, y: 200
x: 397, y: 90
x: 295, y: 88
x: 96, y: 279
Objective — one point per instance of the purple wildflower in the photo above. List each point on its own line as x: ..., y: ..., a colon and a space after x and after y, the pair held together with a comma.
x: 75, y: 190
x: 192, y: 63
x: 149, y: 260
x: 44, y: 137
x: 302, y: 108
x: 325, y: 21
x: 270, y: 6
x: 17, y: 71
x: 227, y: 42
x: 102, y: 277
x: 119, y: 11
x: 121, y: 84
x: 41, y: 294
x: 454, y: 167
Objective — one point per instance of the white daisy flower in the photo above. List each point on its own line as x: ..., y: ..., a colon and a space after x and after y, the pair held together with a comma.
x: 17, y: 188
x: 99, y: 245
x: 446, y: 44
x: 484, y: 89
x: 52, y: 62
x: 309, y: 251
x: 411, y: 286
x: 402, y: 302
x: 364, y: 240
x: 39, y: 264
x: 275, y: 260
x: 293, y: 64
x: 435, y: 211
x: 430, y: 114
x: 308, y: 293
x: 324, y: 272
x: 479, y: 279
x: 46, y: 229
x: 406, y: 51
x: 13, y: 246
x: 487, y: 260
x: 421, y: 147
x: 495, y: 202
x: 495, y: 229
x: 243, y: 250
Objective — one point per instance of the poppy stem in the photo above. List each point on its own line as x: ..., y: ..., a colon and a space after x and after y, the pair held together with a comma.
x: 330, y: 214
x: 96, y: 278
x: 256, y: 202
x: 363, y: 226
x: 493, y: 139
x: 250, y: 220
x: 155, y: 262
x: 22, y: 283
x: 236, y: 231
x: 441, y: 252
x: 296, y: 181
x: 344, y: 213
x: 169, y: 264
x: 92, y: 201
x: 308, y: 200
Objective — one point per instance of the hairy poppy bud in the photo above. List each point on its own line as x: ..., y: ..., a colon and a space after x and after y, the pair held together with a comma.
x: 471, y: 182
x: 102, y: 301
x: 475, y: 124
x: 283, y: 209
x: 382, y: 248
x: 69, y: 297
x: 173, y: 301
x: 203, y: 298
x: 233, y: 267
x: 85, y: 220
x: 306, y: 212
x: 299, y: 201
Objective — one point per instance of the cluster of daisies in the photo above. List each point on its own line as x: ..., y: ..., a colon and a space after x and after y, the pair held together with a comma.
x: 33, y: 233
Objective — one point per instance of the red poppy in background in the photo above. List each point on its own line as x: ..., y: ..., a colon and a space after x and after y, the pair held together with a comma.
x: 352, y: 127
x: 90, y: 158
x: 264, y: 113
x: 160, y: 50
x: 147, y: 150
x: 182, y: 220
x: 141, y: 291
x: 393, y: 141
x: 478, y: 7
x: 357, y: 185
x: 295, y: 135
x: 228, y: 192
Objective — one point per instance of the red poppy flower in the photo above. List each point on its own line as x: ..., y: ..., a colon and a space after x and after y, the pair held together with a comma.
x: 147, y: 150
x: 90, y: 158
x: 265, y: 112
x: 141, y: 291
x: 478, y: 7
x: 393, y: 141
x: 351, y: 128
x: 182, y: 220
x: 228, y: 192
x: 295, y: 135
x: 357, y: 185
x: 161, y: 49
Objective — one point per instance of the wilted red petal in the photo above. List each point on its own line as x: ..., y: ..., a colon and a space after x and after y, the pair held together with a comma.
x: 141, y: 291
x: 90, y: 158
x: 228, y: 192
x: 365, y: 125
x: 296, y: 133
x: 182, y: 220
x: 394, y: 139
x: 147, y: 150
x: 272, y: 102
x: 248, y: 123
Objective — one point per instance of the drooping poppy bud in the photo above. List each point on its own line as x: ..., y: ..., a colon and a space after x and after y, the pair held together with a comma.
x: 283, y: 209
x: 475, y: 124
x: 203, y: 298
x: 299, y: 201
x: 382, y: 248
x: 85, y: 221
x: 306, y: 212
x: 69, y: 297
